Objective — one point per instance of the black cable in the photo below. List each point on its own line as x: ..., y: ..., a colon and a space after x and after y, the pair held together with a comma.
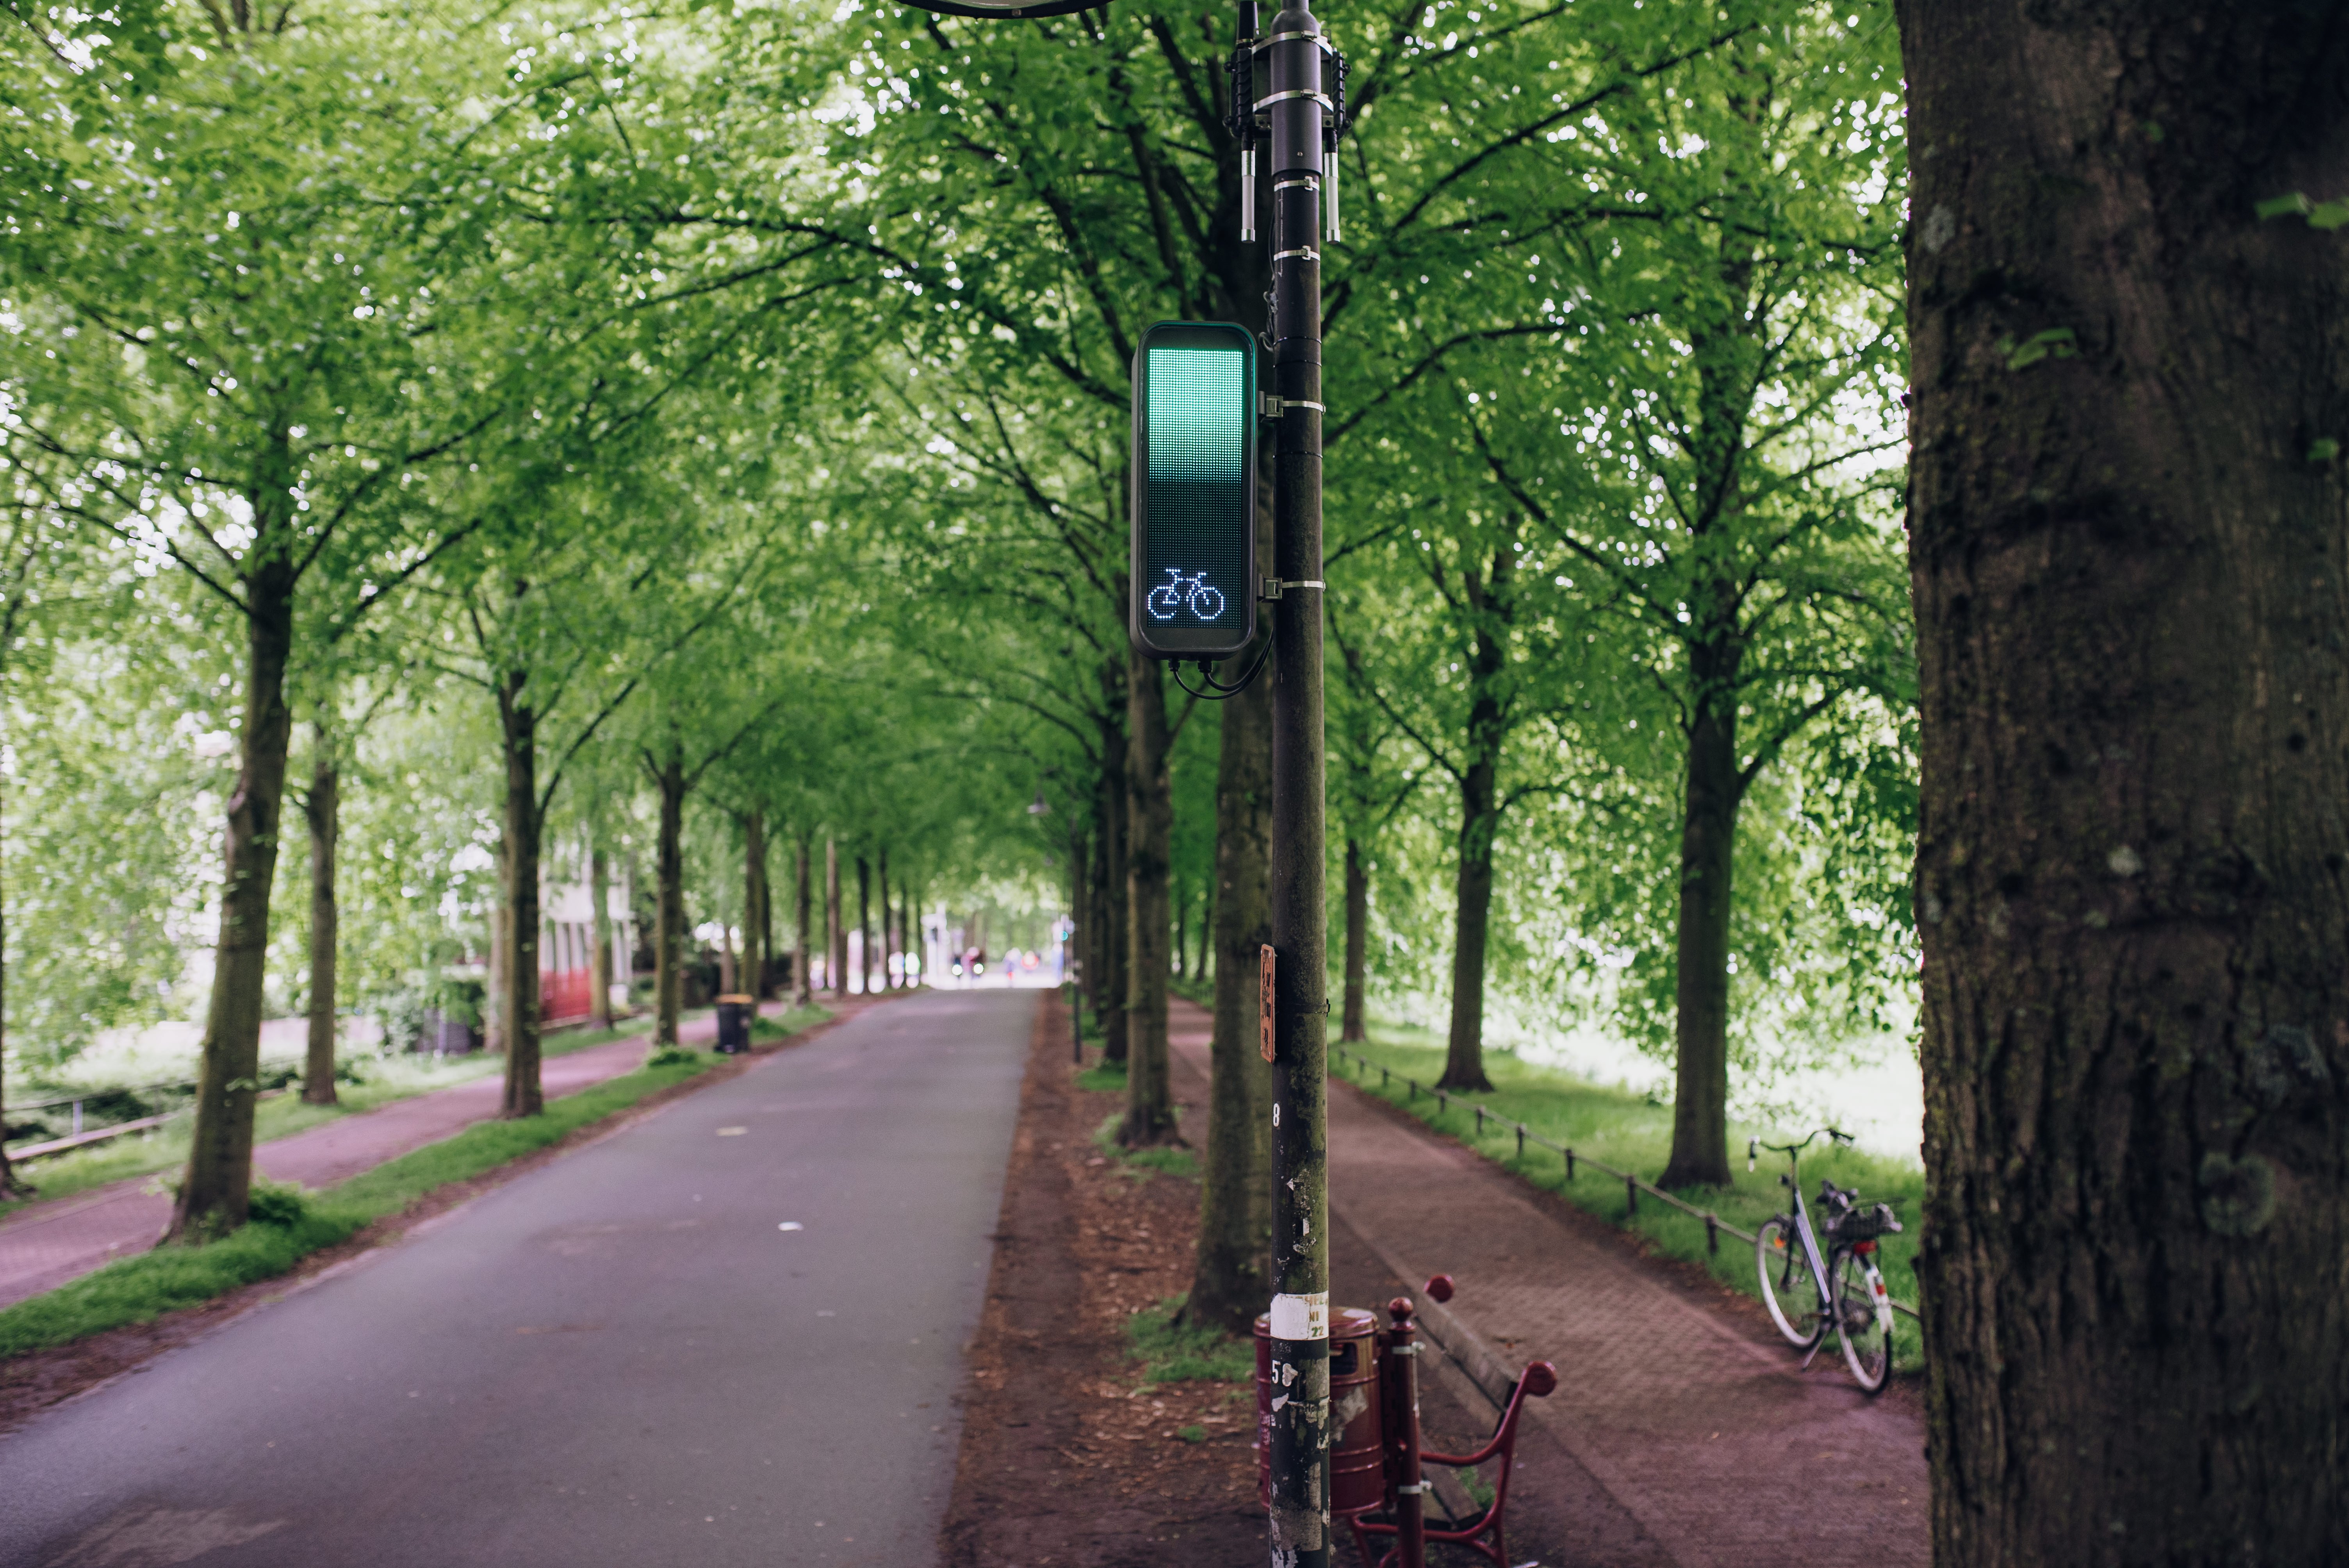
x: 1218, y: 691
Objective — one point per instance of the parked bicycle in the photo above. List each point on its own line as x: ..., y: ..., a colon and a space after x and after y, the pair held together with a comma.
x: 1806, y: 1290
x: 1203, y: 600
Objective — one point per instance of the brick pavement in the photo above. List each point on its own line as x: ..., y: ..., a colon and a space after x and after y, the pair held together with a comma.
x: 43, y: 1245
x: 1690, y: 1413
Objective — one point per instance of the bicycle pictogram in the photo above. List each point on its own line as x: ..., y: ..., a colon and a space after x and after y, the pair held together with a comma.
x: 1204, y: 602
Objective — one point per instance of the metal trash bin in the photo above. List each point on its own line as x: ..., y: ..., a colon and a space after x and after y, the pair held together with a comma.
x: 1357, y: 1455
x: 734, y: 1016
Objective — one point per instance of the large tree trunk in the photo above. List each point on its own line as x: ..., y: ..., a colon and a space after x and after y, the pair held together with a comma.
x: 1080, y: 918
x: 668, y: 900
x: 1111, y: 993
x: 881, y: 871
x: 519, y: 722
x: 322, y: 813
x: 1150, y: 804
x: 599, y: 962
x: 802, y: 982
x: 2127, y: 555
x: 1230, y: 1277
x: 1358, y: 914
x: 1699, y: 1156
x: 835, y: 964
x: 218, y: 1183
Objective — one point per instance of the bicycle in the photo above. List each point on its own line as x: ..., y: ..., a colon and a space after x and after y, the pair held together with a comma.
x: 1806, y: 1291
x: 1204, y: 602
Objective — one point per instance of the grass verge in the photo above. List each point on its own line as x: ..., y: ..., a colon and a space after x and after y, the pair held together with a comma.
x: 1173, y: 1350
x: 139, y: 1289
x: 384, y: 1079
x: 1631, y: 1133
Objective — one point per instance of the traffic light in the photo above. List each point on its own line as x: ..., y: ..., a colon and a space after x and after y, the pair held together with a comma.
x: 1194, y: 434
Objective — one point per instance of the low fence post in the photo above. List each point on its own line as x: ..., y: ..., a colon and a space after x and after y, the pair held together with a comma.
x: 1630, y: 1196
x: 1521, y: 1141
x: 1480, y: 1121
x: 1570, y: 1165
x: 1711, y: 1232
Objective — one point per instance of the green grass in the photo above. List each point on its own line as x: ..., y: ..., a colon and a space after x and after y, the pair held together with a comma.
x: 139, y: 1289
x: 1630, y: 1132
x: 1185, y: 1352
x: 1103, y: 1077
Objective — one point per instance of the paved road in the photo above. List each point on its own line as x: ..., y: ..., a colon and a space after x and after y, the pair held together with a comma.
x: 45, y: 1245
x: 621, y: 1358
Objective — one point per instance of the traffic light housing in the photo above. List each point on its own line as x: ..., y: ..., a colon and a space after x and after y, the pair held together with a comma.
x: 1194, y: 490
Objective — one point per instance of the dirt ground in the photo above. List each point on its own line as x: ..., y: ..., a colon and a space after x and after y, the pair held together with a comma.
x: 1068, y: 1459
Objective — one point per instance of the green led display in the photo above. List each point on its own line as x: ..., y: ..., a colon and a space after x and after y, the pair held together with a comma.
x: 1194, y: 490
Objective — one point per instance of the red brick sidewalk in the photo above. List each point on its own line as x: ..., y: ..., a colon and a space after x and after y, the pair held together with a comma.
x: 43, y: 1245
x: 1692, y: 1417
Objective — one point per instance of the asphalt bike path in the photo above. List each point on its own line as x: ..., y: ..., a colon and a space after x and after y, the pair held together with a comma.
x: 730, y: 1333
x: 45, y: 1245
x: 1694, y: 1420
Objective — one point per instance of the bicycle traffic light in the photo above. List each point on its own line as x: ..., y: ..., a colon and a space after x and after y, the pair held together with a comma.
x: 1195, y: 502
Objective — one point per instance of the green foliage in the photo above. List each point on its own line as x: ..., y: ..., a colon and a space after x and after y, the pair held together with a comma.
x: 1103, y: 1077
x: 1172, y: 1349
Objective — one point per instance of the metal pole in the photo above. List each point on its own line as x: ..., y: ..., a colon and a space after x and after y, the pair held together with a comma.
x: 1296, y: 99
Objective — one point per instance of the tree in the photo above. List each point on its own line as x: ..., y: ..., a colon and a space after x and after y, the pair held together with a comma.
x: 2130, y: 311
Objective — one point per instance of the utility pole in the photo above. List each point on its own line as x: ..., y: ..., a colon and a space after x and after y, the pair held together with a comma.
x: 1304, y: 125
x: 1196, y: 410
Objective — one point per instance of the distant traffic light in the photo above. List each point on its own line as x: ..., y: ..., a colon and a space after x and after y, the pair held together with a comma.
x: 1194, y: 434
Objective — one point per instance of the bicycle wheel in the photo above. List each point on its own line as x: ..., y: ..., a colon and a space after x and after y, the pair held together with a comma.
x: 1787, y: 1288
x: 1163, y: 601
x: 1867, y: 1343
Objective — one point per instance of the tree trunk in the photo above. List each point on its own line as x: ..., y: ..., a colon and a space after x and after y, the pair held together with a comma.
x: 1480, y: 823
x: 863, y: 926
x: 1231, y: 1276
x: 729, y: 975
x: 1111, y: 994
x: 1699, y: 1156
x: 1179, y: 900
x: 1080, y: 917
x: 668, y: 900
x: 1357, y: 915
x: 802, y: 982
x: 835, y: 962
x: 218, y: 1183
x: 754, y: 896
x: 1150, y: 805
x: 499, y: 980
x: 519, y: 723
x: 2127, y: 558
x: 599, y: 962
x: 322, y: 812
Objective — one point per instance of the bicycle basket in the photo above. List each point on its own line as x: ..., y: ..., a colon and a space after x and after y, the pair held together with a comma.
x: 1865, y: 1225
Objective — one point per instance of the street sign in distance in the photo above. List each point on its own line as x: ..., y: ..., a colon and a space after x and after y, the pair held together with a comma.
x: 1194, y: 500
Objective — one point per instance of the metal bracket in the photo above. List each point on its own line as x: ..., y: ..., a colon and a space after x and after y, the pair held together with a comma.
x: 1275, y: 406
x: 1412, y: 1349
x: 1272, y: 587
x: 1415, y: 1488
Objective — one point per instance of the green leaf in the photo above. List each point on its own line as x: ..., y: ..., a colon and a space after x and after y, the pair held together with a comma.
x: 2281, y: 206
x: 2324, y: 449
x: 2326, y: 215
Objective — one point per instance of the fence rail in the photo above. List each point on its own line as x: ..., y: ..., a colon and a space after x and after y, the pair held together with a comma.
x: 1632, y: 1184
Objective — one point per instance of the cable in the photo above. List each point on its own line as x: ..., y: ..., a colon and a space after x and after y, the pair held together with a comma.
x: 1218, y: 691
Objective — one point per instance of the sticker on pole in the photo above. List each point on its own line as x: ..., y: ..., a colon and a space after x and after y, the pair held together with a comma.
x: 1301, y: 1317
x: 1264, y: 1005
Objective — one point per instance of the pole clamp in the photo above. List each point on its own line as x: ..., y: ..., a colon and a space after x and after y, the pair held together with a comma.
x: 1415, y: 1488
x: 1272, y: 588
x: 1410, y: 1349
x: 1275, y: 405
